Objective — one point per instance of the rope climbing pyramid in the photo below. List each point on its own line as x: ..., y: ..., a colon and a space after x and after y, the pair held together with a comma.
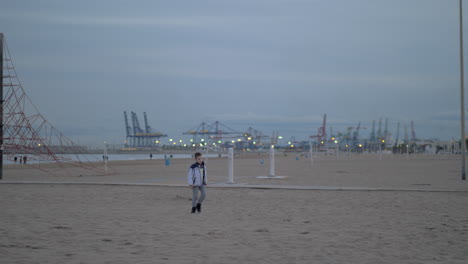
x: 28, y: 134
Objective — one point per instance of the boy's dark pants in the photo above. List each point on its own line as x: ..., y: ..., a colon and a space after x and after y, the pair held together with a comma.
x: 195, y: 198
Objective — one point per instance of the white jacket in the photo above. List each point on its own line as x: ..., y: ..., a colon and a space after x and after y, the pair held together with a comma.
x: 195, y: 177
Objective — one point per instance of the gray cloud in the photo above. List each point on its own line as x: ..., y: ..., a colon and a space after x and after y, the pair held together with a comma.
x: 277, y: 65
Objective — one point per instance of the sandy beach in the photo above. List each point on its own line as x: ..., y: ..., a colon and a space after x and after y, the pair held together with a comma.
x: 420, y: 172
x: 406, y: 211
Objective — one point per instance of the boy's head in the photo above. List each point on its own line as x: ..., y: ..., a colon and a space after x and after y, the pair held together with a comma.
x: 199, y: 157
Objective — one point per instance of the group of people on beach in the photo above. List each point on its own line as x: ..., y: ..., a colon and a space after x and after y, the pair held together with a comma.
x: 22, y: 159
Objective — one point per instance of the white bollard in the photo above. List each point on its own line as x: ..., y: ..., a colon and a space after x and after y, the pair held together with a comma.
x: 105, y: 157
x: 271, y: 174
x: 272, y: 161
x: 311, y: 151
x: 380, y: 152
x: 230, y: 165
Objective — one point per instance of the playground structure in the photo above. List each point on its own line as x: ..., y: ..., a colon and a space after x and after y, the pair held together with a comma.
x: 26, y: 132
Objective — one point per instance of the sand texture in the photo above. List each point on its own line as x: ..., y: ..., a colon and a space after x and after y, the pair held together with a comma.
x: 248, y: 222
x: 149, y: 224
x: 362, y: 171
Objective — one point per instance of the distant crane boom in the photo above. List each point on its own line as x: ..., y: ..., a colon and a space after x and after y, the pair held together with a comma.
x: 136, y: 125
x: 139, y: 137
x: 147, y: 127
x: 128, y: 129
x: 321, y: 132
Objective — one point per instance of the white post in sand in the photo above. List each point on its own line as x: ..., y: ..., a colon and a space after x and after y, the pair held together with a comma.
x: 105, y: 156
x: 272, y: 161
x: 311, y: 151
x: 407, y: 152
x: 336, y: 150
x: 272, y: 166
x: 231, y: 165
x: 380, y: 152
x: 205, y: 159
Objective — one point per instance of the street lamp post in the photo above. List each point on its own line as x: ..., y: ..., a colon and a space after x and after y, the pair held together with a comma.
x: 462, y: 95
x: 1, y: 105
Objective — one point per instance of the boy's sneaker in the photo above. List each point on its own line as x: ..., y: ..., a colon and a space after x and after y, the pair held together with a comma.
x: 199, y: 208
x: 193, y: 209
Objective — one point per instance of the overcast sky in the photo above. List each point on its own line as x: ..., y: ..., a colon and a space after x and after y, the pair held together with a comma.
x: 275, y: 65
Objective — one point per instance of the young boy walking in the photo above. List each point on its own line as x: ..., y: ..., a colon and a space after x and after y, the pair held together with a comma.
x: 197, y: 181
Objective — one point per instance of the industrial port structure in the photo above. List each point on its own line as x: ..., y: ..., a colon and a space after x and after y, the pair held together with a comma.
x: 219, y: 135
x: 138, y: 137
x: 380, y: 139
x: 216, y: 134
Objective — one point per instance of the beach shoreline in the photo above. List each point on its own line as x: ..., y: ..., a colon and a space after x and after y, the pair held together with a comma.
x: 420, y: 173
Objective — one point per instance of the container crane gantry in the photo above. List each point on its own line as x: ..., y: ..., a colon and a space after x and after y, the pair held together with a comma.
x: 140, y: 138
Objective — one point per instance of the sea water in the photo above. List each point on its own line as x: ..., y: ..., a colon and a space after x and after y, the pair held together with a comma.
x: 98, y: 157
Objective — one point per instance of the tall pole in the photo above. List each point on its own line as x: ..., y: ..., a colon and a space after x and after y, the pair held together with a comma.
x: 1, y: 105
x: 462, y: 96
x: 311, y: 151
x: 230, y: 165
x: 104, y: 157
x: 272, y: 161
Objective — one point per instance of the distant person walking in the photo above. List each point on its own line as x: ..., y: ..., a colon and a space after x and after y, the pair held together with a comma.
x: 151, y: 156
x: 24, y: 159
x: 197, y: 180
x: 21, y: 159
x: 16, y: 159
